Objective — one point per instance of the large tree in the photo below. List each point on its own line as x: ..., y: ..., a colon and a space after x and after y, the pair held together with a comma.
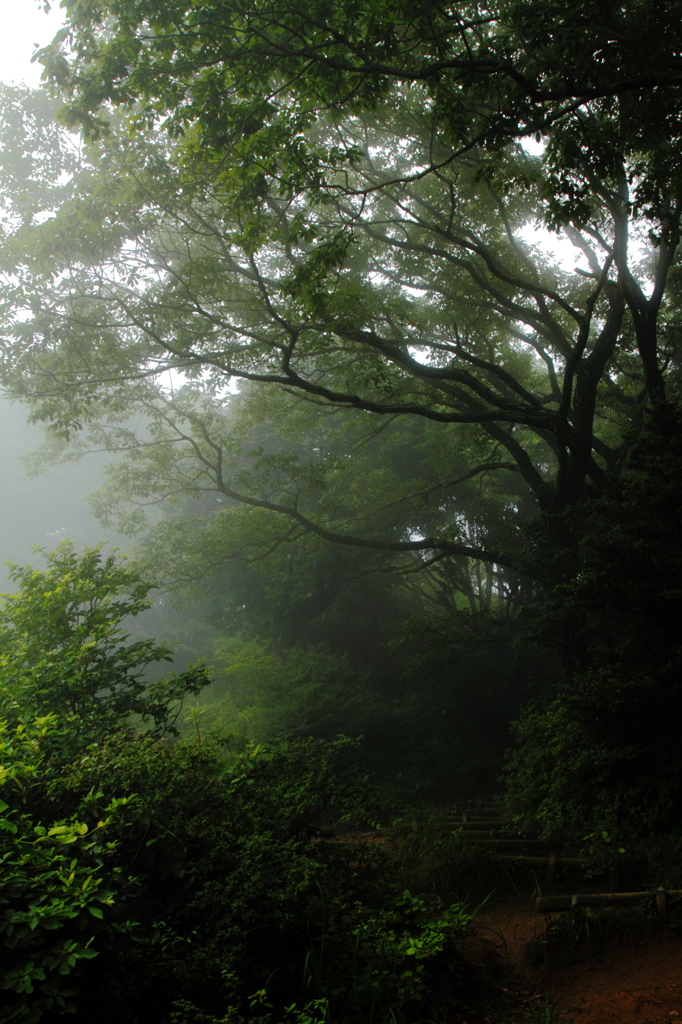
x: 335, y: 206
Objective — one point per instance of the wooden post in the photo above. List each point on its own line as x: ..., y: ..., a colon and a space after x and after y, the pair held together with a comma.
x: 551, y: 871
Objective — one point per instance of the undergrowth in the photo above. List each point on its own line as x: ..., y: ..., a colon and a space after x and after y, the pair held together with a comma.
x: 429, y: 854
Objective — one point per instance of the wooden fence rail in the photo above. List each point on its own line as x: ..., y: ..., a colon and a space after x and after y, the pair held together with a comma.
x: 550, y: 904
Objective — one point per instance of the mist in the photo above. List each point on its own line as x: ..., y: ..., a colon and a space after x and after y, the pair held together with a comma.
x: 44, y: 510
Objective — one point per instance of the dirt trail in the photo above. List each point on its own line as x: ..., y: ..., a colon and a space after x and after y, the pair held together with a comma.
x: 630, y: 974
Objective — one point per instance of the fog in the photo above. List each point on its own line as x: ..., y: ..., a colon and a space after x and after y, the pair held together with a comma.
x: 46, y: 509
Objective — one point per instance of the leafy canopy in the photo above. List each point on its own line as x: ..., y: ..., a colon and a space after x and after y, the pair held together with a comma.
x: 334, y: 207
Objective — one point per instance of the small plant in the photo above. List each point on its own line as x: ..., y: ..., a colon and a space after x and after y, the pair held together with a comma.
x: 313, y: 1012
x: 193, y: 716
x: 544, y: 1009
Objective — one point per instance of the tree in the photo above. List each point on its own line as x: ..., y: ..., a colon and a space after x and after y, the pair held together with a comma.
x: 63, y: 650
x: 367, y: 252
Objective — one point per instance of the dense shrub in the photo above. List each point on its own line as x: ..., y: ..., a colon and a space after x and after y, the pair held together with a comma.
x: 241, y: 892
x: 55, y: 878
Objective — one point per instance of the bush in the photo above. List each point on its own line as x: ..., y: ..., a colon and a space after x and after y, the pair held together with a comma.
x: 243, y: 889
x: 53, y: 894
x: 431, y: 856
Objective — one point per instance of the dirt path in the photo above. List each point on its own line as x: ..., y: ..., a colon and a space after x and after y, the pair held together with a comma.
x: 625, y: 973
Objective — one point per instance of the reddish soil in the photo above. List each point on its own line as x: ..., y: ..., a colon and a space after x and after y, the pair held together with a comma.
x: 616, y: 968
x: 613, y: 970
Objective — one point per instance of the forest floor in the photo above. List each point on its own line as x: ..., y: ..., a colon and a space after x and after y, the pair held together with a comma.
x: 618, y: 969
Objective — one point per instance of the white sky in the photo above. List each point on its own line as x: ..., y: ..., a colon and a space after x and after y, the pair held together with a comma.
x: 25, y: 29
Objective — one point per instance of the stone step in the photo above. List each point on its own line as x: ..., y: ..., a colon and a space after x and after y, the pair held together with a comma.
x: 485, y: 823
x: 511, y: 844
x: 489, y: 833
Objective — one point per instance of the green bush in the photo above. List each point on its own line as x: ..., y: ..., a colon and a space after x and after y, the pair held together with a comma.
x: 236, y: 855
x: 53, y: 893
x: 432, y: 856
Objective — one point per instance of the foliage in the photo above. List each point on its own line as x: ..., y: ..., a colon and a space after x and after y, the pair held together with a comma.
x: 37, y: 180
x: 426, y: 731
x: 299, y: 691
x: 431, y: 855
x: 63, y: 650
x: 362, y: 246
x: 204, y: 882
x: 212, y: 74
x: 236, y: 857
x: 53, y: 880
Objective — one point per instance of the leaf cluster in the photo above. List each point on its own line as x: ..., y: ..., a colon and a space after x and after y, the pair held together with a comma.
x: 55, y: 890
x: 236, y: 857
x: 64, y: 650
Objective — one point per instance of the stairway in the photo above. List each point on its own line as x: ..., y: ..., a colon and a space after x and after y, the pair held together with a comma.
x: 484, y: 821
